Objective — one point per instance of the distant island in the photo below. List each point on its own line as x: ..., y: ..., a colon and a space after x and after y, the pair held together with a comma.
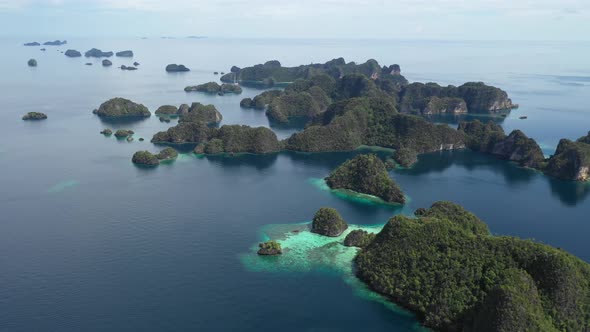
x: 125, y: 54
x: 55, y: 43
x: 147, y: 158
x: 73, y: 53
x: 35, y: 116
x: 215, y: 88
x: 455, y: 275
x: 96, y: 53
x: 272, y: 72
x: 174, y: 68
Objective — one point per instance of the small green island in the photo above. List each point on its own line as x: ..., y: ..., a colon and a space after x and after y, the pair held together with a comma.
x: 269, y: 248
x: 146, y: 158
x: 35, y: 116
x: 328, y: 222
x: 215, y: 88
x: 122, y: 108
x: 366, y: 174
x: 121, y: 133
x: 107, y: 132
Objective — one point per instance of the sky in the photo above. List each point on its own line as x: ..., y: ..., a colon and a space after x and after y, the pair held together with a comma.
x: 382, y: 19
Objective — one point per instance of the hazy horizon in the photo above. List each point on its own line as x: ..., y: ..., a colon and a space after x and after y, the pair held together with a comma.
x: 498, y: 20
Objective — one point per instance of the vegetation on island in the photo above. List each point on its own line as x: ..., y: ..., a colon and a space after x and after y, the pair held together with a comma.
x: 447, y: 268
x: 262, y: 100
x: 372, y: 121
x: 145, y: 158
x: 272, y: 72
x: 269, y: 248
x: 405, y: 157
x: 490, y: 138
x: 121, y: 108
x: 327, y: 221
x: 358, y: 238
x: 168, y: 110
x: 32, y: 63
x: 472, y: 97
x: 571, y: 160
x: 214, y: 87
x: 35, y: 116
x: 123, y: 133
x: 167, y: 153
x: 227, y: 139
x: 198, y: 112
x: 106, y: 132
x: 366, y: 174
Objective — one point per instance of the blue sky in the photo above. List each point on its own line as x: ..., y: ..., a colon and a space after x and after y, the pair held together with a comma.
x: 422, y: 19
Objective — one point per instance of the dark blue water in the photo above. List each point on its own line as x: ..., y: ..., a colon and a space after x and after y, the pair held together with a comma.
x: 90, y: 242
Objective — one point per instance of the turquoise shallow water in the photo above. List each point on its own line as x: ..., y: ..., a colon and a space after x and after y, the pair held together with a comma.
x: 91, y: 242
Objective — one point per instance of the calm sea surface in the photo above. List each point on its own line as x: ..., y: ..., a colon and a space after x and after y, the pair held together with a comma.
x: 89, y: 242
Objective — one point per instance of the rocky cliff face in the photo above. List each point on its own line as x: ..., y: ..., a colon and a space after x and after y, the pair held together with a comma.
x: 490, y: 138
x: 484, y: 98
x: 445, y: 105
x: 571, y: 161
x: 519, y: 148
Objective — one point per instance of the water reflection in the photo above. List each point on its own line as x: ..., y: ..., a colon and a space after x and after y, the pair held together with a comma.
x: 454, y: 119
x: 122, y: 121
x: 569, y: 192
x: 258, y: 162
